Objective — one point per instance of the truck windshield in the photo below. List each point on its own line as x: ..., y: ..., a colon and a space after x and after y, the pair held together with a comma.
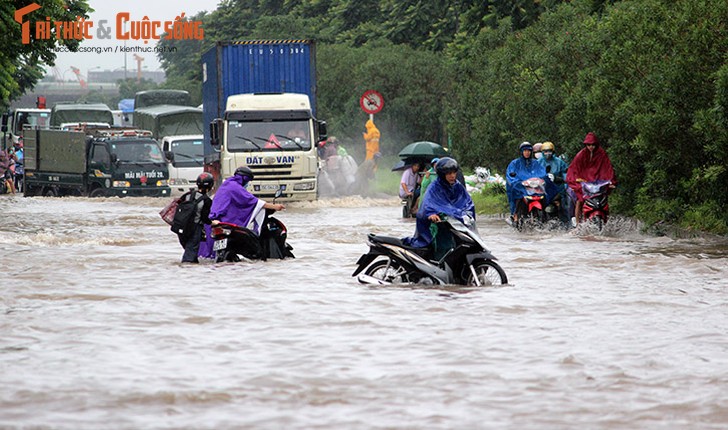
x: 137, y: 152
x: 188, y: 152
x: 34, y: 119
x: 289, y: 135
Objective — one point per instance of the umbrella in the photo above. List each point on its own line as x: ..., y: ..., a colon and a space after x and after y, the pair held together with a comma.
x: 407, y: 162
x: 424, y: 149
x: 400, y: 165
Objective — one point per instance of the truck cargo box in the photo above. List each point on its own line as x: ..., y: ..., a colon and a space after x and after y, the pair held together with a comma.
x: 59, y: 151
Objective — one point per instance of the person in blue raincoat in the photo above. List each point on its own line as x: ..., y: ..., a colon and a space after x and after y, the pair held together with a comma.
x: 444, y: 196
x: 556, y: 170
x: 522, y: 168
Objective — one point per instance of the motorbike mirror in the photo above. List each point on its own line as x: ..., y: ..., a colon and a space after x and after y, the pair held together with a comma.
x: 279, y: 192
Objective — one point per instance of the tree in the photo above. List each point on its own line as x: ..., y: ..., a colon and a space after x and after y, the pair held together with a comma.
x: 21, y: 65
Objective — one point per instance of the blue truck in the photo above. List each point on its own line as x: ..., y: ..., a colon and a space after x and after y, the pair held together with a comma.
x: 259, y: 102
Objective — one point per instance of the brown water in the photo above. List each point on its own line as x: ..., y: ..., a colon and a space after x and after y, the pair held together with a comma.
x: 101, y: 328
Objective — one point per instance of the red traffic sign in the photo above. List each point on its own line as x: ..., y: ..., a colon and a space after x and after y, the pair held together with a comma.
x: 371, y: 102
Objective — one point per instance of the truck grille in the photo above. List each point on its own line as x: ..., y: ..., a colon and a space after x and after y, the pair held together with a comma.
x: 272, y: 170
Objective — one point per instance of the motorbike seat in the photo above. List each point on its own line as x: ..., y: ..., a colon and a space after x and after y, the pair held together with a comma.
x: 388, y: 240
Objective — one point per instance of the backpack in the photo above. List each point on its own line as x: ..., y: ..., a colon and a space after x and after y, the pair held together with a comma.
x: 184, y: 215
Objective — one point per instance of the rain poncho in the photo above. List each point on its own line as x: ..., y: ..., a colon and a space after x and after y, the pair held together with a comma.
x: 371, y: 137
x: 440, y: 198
x: 557, y: 167
x: 235, y: 205
x: 590, y: 166
x: 518, y: 171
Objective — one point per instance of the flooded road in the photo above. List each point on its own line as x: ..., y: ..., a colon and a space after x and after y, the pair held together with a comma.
x: 102, y: 328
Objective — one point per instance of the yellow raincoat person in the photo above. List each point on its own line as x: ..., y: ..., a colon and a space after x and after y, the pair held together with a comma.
x: 371, y: 137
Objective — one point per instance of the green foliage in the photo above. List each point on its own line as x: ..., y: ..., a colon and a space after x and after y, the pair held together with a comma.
x: 649, y: 77
x: 21, y: 65
x: 491, y: 200
x: 412, y: 83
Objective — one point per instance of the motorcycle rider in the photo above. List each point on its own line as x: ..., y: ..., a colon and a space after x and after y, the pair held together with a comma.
x: 556, y: 169
x: 590, y: 164
x: 234, y: 204
x: 445, y: 196
x: 520, y: 169
x: 537, y: 151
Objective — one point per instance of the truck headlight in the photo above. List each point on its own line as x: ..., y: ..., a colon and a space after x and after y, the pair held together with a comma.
x: 162, y: 183
x: 121, y: 184
x: 305, y: 186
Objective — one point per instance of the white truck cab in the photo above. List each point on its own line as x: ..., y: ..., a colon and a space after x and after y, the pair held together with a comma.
x: 276, y: 136
x: 14, y: 122
x: 186, y: 155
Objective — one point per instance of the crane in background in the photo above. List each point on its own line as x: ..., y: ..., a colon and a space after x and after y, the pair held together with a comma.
x: 79, y: 76
x: 139, y: 67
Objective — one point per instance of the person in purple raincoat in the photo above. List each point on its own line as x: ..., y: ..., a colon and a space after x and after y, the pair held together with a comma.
x: 236, y: 205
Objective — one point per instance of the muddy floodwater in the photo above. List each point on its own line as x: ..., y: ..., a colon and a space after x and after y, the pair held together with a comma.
x: 102, y: 328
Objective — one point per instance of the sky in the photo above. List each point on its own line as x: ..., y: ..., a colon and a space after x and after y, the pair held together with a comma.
x: 159, y: 10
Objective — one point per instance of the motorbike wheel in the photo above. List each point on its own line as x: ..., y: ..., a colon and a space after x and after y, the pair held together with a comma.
x: 225, y: 255
x: 488, y: 273
x: 387, y: 270
x: 598, y: 220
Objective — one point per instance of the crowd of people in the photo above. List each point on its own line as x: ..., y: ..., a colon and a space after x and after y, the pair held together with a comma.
x: 562, y: 181
x: 437, y: 191
x: 11, y: 168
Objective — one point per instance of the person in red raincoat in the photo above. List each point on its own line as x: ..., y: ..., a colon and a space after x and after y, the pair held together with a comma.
x: 590, y: 164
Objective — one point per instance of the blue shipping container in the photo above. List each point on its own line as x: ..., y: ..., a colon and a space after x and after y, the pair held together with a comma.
x: 257, y: 66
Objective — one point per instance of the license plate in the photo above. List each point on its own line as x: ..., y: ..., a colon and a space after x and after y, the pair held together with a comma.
x: 268, y: 187
x: 219, y: 245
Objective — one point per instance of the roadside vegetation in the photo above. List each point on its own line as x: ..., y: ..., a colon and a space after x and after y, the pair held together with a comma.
x: 649, y: 77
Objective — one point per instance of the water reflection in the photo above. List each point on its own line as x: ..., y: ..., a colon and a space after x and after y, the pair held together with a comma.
x: 103, y: 328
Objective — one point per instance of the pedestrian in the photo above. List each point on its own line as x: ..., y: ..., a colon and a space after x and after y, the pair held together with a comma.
x: 190, y: 241
x: 371, y: 138
x: 409, y: 187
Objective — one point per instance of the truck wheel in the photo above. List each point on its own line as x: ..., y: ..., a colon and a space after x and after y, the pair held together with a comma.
x: 50, y: 192
x: 97, y: 192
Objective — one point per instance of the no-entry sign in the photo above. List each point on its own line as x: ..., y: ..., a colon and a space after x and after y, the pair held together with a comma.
x: 371, y: 102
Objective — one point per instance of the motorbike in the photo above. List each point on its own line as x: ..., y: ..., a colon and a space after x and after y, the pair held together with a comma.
x: 467, y: 262
x: 407, y: 205
x: 596, y: 202
x: 233, y: 241
x: 531, y: 206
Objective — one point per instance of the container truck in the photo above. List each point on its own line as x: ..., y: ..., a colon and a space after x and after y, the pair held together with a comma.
x: 96, y: 163
x: 259, y: 99
x: 70, y: 115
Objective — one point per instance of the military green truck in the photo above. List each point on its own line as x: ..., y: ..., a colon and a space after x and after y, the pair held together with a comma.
x: 169, y: 120
x: 96, y: 163
x: 68, y: 115
x: 144, y: 99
